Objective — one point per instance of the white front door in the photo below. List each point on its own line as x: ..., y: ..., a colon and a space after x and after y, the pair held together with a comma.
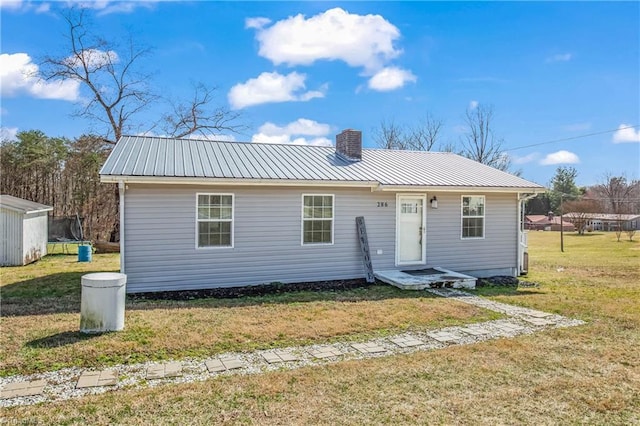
x: 410, y: 218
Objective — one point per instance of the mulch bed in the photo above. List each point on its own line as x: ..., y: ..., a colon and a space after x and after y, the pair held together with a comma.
x: 504, y: 281
x: 255, y: 290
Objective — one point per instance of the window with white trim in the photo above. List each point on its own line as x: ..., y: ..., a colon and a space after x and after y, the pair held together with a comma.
x: 215, y: 220
x: 317, y: 219
x: 473, y: 216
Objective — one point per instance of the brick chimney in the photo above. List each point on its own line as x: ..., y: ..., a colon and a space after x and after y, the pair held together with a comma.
x: 349, y: 144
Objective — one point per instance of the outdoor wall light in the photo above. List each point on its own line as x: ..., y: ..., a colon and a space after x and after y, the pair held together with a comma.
x: 434, y: 202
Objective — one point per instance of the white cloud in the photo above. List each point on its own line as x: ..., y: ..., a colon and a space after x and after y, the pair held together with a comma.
x: 272, y: 87
x: 525, y: 159
x: 390, y: 78
x: 473, y: 105
x: 25, y: 6
x: 93, y: 58
x: 19, y: 75
x: 560, y: 157
x: 560, y: 57
x: 107, y: 7
x: 256, y: 23
x: 11, y: 4
x: 294, y: 133
x: 218, y: 137
x: 8, y: 133
x: 358, y: 40
x: 626, y: 133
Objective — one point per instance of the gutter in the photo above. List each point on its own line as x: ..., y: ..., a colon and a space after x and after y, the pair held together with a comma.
x: 373, y: 185
x: 233, y: 181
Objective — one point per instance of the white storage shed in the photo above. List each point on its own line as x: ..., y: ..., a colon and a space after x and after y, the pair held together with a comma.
x: 24, y: 230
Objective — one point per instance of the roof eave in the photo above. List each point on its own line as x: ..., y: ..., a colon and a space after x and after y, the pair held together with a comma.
x: 170, y: 180
x: 428, y: 188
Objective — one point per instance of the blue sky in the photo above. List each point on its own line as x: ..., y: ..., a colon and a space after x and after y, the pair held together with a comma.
x: 302, y: 72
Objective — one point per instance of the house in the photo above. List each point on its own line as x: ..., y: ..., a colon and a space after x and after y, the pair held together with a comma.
x: 541, y: 222
x: 201, y: 214
x: 24, y: 230
x: 605, y: 221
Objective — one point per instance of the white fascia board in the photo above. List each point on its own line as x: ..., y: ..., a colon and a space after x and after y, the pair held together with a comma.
x: 479, y: 189
x: 237, y: 182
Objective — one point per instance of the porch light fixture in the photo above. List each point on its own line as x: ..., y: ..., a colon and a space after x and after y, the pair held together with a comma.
x: 434, y: 202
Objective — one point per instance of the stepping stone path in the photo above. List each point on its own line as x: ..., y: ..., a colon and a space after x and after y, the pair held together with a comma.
x: 407, y: 342
x: 274, y: 357
x: 368, y: 348
x: 223, y: 364
x: 475, y: 330
x: 17, y: 389
x: 538, y: 321
x: 325, y: 352
x: 92, y: 379
x: 163, y: 371
x: 444, y: 336
x: 61, y: 384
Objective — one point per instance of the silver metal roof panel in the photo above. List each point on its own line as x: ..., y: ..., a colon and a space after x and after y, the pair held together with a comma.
x: 21, y: 205
x: 149, y: 157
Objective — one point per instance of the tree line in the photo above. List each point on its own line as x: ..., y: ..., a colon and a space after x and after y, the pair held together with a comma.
x: 61, y: 173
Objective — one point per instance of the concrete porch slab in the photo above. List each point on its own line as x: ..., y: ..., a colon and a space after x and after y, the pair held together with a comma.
x: 435, y: 278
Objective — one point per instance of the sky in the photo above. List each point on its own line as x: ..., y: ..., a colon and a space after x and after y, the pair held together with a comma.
x: 563, y: 78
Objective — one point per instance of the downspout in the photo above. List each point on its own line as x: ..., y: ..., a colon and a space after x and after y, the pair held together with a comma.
x: 121, y: 189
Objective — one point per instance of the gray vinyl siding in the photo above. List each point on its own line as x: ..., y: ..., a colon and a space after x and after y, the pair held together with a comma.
x: 496, y: 251
x: 160, y: 237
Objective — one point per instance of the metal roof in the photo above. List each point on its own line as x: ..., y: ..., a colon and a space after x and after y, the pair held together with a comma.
x: 603, y: 216
x: 155, y: 157
x: 20, y: 205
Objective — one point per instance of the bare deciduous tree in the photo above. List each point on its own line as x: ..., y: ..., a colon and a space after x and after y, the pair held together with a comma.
x: 480, y: 143
x: 579, y: 212
x: 421, y: 137
x: 617, y: 193
x: 119, y: 88
x: 191, y: 117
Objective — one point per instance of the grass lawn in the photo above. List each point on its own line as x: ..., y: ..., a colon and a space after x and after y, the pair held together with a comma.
x: 41, y: 305
x: 588, y: 374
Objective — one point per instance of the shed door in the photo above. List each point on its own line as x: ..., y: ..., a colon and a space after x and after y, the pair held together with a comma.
x: 411, y: 229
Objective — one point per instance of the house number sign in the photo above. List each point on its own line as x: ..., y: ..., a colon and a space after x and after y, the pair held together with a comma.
x: 383, y: 204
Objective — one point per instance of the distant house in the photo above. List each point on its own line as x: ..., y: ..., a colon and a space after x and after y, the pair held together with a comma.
x: 606, y: 221
x: 24, y: 230
x: 200, y: 214
x: 540, y: 222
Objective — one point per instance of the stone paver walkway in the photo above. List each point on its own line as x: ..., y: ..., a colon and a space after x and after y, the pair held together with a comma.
x: 163, y: 371
x: 325, y: 352
x: 223, y: 364
x: 273, y: 357
x: 75, y: 383
x: 18, y: 389
x: 93, y: 379
x: 368, y: 348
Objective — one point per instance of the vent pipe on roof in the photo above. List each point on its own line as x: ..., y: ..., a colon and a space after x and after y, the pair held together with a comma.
x: 349, y: 144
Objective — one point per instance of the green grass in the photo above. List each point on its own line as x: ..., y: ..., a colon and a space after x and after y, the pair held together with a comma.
x: 41, y: 305
x: 579, y: 375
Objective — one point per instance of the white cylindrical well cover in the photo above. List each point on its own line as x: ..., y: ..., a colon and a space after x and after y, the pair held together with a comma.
x: 102, y: 302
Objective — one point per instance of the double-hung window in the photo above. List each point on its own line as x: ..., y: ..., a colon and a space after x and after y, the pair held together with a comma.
x: 473, y: 216
x: 317, y: 219
x: 215, y: 220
